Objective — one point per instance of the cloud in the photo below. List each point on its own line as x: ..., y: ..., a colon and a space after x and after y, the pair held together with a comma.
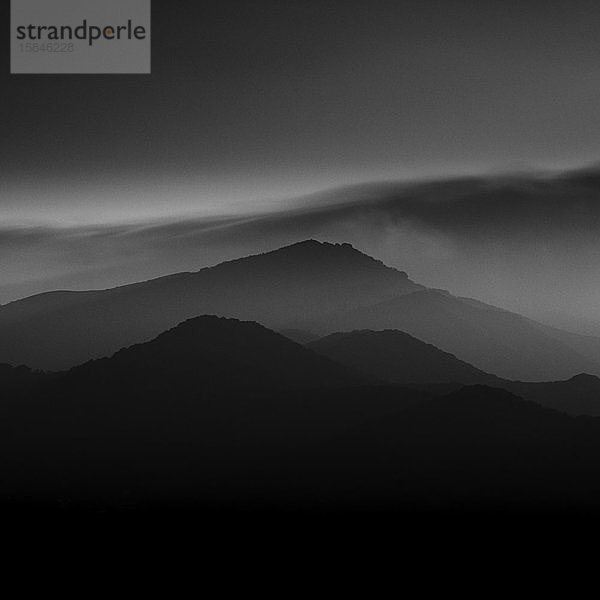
x: 529, y: 242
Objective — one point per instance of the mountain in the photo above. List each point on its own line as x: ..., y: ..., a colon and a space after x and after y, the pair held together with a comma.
x: 493, y: 340
x: 579, y: 395
x: 213, y: 405
x: 279, y: 289
x: 478, y: 447
x: 18, y: 380
x: 215, y: 355
x: 299, y: 335
x: 309, y: 286
x: 362, y: 448
x: 9, y: 374
x: 225, y: 415
x: 397, y: 357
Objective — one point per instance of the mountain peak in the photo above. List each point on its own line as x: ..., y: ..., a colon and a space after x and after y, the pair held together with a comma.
x: 313, y: 252
x: 283, y: 289
x: 218, y: 354
x: 312, y: 245
x: 397, y: 357
x: 585, y: 378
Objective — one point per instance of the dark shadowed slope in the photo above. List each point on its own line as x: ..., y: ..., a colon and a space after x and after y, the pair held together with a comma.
x: 358, y: 448
x: 204, y: 367
x: 300, y: 336
x: 397, y: 357
x: 279, y: 289
x: 491, y: 339
x: 579, y: 395
x: 19, y: 380
x: 478, y: 446
x: 211, y: 405
x: 214, y: 355
x: 225, y: 414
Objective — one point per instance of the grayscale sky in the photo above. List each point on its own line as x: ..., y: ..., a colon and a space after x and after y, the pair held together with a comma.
x: 250, y: 103
x: 253, y: 107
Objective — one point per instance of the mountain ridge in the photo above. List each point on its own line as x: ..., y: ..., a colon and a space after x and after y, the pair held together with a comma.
x: 311, y: 286
x: 492, y: 339
x: 226, y: 355
x: 278, y: 289
x: 399, y: 358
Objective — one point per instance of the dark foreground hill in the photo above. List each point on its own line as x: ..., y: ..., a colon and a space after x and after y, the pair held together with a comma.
x: 279, y: 289
x: 223, y: 415
x: 212, y: 402
x: 579, y: 395
x: 20, y: 380
x: 213, y: 355
x: 477, y: 447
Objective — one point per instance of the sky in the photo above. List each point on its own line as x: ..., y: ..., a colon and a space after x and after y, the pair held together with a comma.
x: 251, y: 103
x: 255, y: 108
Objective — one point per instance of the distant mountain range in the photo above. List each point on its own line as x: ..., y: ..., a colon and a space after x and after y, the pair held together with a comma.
x: 398, y: 358
x: 309, y: 286
x: 229, y: 415
x: 494, y: 340
x: 579, y: 395
x: 279, y: 289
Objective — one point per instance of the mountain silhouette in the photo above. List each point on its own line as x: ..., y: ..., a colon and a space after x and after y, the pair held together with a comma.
x: 299, y: 335
x: 19, y: 381
x: 9, y: 373
x: 227, y: 415
x: 309, y: 286
x: 478, y: 447
x: 216, y: 355
x: 213, y: 402
x: 397, y: 357
x: 279, y: 289
x: 579, y: 395
x: 493, y: 340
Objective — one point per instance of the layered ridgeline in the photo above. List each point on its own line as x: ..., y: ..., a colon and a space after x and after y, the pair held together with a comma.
x: 278, y: 289
x: 227, y: 414
x: 208, y: 406
x: 497, y: 341
x: 398, y: 358
x: 18, y: 381
x: 310, y: 286
x: 213, y: 355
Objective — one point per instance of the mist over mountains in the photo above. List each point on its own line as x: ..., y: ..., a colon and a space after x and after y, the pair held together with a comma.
x: 313, y: 286
x: 494, y: 340
x: 377, y: 393
x: 279, y: 289
x: 395, y: 357
x: 225, y: 415
x: 526, y: 243
x: 329, y: 263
